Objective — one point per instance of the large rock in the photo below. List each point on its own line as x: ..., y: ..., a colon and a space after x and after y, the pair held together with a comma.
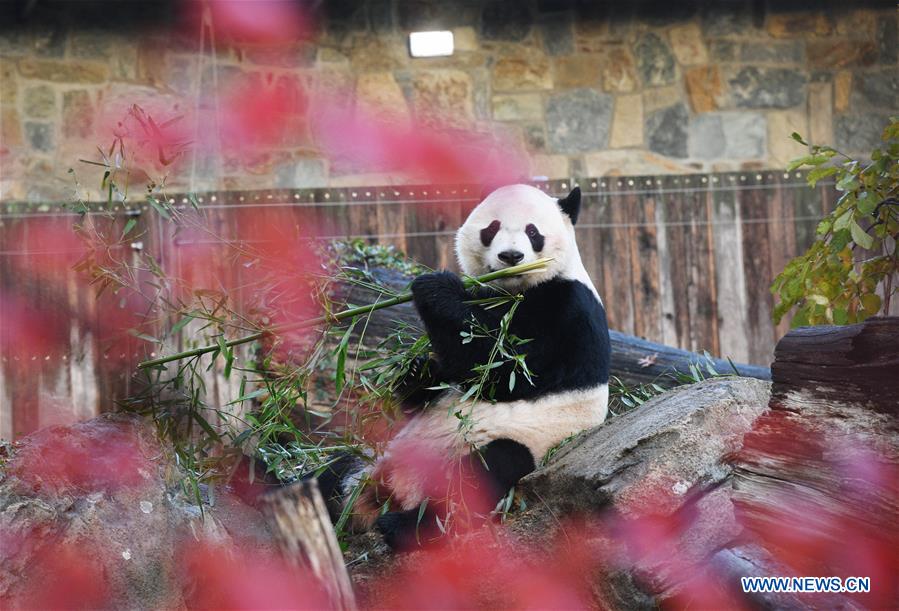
x: 649, y: 460
x: 86, y: 515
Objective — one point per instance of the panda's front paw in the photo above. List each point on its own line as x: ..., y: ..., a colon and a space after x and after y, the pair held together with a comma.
x: 437, y: 288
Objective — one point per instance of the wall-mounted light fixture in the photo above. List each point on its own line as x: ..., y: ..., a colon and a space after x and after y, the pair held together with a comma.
x: 431, y: 44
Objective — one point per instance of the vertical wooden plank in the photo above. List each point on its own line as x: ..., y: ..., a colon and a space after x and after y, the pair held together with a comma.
x: 419, y: 225
x: 445, y: 212
x: 391, y: 228
x: 755, y: 213
x: 605, y: 278
x: 781, y: 237
x: 617, y: 261
x: 729, y: 275
x: 666, y: 313
x: 644, y: 257
x: 586, y: 232
x: 677, y: 266
x: 703, y: 308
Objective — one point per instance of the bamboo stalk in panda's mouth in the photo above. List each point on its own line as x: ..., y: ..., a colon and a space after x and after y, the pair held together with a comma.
x: 499, y: 274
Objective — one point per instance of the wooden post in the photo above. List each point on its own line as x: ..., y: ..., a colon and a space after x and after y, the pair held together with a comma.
x: 306, y: 538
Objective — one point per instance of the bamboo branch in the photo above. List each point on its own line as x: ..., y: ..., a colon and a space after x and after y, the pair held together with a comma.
x: 507, y: 272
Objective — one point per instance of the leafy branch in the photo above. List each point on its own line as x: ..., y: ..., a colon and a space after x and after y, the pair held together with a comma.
x: 855, y: 258
x: 349, y: 313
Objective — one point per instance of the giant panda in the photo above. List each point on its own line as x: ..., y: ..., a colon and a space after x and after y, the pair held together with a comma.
x: 505, y: 438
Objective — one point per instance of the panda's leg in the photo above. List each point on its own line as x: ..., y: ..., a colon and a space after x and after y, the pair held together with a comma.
x: 485, y: 476
x: 334, y: 481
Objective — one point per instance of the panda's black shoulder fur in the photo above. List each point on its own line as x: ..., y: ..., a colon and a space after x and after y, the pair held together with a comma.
x: 568, y: 347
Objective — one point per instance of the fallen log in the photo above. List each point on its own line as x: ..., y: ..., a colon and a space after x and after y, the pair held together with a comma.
x: 634, y: 360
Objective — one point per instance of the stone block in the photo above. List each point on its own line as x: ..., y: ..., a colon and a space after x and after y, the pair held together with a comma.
x: 876, y: 90
x: 799, y: 24
x: 754, y: 87
x: 557, y: 34
x: 618, y: 70
x: 727, y: 135
x: 465, y: 39
x: 726, y: 19
x: 660, y: 97
x: 443, y: 98
x: 781, y: 147
x: 632, y: 162
x: 593, y: 35
x: 627, y: 122
x: 820, y: 108
x: 63, y: 72
x: 687, y: 44
x: 888, y: 39
x: 772, y: 52
x: 577, y: 71
x: 578, y: 120
x: 723, y: 50
x: 422, y: 15
x: 9, y: 87
x: 666, y: 131
x: 832, y: 54
x: 151, y: 65
x: 503, y: 20
x: 299, y: 55
x: 330, y: 55
x: 655, y: 61
x: 378, y: 54
x: 301, y: 173
x: 522, y: 72
x: 90, y: 44
x: 77, y: 114
x: 857, y: 23
x: 859, y: 133
x: 705, y: 89
x: 378, y: 95
x: 842, y: 88
x: 39, y: 136
x: 518, y: 107
x: 39, y: 102
x: 551, y: 166
x: 124, y: 60
x: 535, y: 136
x: 10, y: 127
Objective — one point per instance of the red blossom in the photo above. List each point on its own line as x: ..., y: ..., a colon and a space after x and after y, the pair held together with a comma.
x: 230, y: 577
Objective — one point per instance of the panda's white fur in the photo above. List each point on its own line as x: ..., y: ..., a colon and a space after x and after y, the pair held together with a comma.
x: 538, y: 423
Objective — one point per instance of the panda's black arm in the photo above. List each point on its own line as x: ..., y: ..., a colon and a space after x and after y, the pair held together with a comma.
x: 415, y: 389
x: 444, y: 305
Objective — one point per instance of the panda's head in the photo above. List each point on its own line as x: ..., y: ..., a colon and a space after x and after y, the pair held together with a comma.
x: 520, y: 224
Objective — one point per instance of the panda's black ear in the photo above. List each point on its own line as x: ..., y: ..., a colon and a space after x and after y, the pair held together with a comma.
x: 571, y: 204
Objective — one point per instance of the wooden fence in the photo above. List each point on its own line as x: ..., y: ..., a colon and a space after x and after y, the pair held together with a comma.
x: 682, y: 260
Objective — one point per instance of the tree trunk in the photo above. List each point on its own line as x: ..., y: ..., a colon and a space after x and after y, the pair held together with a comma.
x: 634, y: 360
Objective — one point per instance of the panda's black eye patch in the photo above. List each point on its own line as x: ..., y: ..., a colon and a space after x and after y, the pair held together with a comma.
x: 489, y: 232
x: 537, y: 239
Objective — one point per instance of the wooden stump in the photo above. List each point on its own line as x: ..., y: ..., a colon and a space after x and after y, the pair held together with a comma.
x: 817, y: 480
x: 306, y: 538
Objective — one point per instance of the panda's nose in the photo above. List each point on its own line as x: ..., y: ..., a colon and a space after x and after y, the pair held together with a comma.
x: 510, y: 257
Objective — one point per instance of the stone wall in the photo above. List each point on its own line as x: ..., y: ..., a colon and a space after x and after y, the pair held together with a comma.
x: 589, y: 88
